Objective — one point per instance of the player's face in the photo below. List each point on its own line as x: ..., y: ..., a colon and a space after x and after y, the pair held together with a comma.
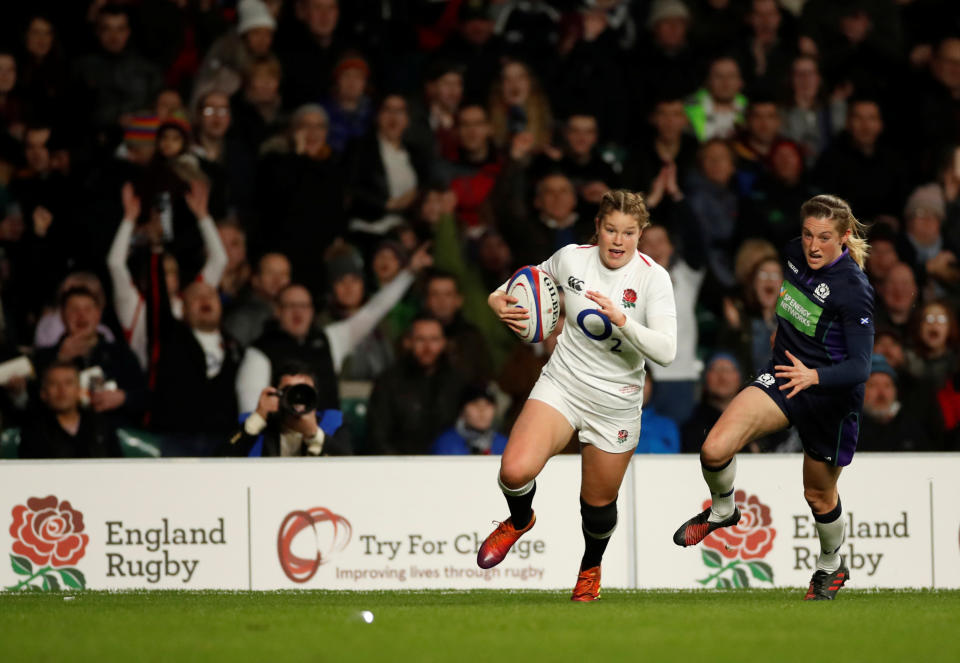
x: 822, y: 244
x: 618, y: 235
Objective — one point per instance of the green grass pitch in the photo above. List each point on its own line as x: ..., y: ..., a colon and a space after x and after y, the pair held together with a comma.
x: 714, y: 626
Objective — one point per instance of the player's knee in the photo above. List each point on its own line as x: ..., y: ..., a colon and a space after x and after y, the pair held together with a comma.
x: 714, y: 452
x: 599, y: 521
x: 514, y: 472
x: 820, y: 501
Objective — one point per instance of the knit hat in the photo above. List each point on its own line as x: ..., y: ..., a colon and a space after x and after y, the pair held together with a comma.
x: 254, y: 14
x: 396, y: 247
x: 927, y: 198
x: 716, y: 356
x: 879, y: 364
x: 477, y: 391
x: 352, y: 61
x: 177, y: 120
x: 664, y: 9
x: 343, y: 264
x: 140, y: 128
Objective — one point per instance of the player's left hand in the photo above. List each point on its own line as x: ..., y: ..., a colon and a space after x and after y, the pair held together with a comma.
x: 617, y: 317
x: 799, y: 375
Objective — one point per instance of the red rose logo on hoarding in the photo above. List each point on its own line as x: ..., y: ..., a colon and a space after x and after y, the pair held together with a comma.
x: 331, y: 533
x: 745, y: 543
x: 48, y: 533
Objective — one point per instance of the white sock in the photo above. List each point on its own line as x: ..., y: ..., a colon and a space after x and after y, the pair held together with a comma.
x: 720, y: 482
x: 830, y: 527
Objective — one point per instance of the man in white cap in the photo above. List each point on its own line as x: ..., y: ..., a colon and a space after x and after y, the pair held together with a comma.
x: 231, y: 55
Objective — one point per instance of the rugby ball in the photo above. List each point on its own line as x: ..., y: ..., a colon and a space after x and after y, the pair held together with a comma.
x: 536, y: 292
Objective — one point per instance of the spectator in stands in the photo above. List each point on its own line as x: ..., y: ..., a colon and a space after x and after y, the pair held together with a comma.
x: 295, y: 337
x: 230, y: 56
x: 811, y: 117
x: 296, y: 181
x: 473, y: 432
x: 433, y: 120
x: 418, y: 397
x: 348, y: 293
x: 753, y: 144
x: 388, y: 261
x: 716, y: 206
x: 279, y: 426
x: 716, y: 24
x: 131, y: 302
x: 668, y: 144
x: 752, y: 318
x: 886, y: 425
x: 109, y: 369
x: 194, y: 398
x: 667, y: 64
x: 722, y: 379
x: 716, y: 109
x: 658, y: 434
x: 935, y: 105
x: 11, y: 104
x: 530, y: 30
x: 766, y: 52
x: 473, y: 172
x: 50, y: 326
x: 236, y: 276
x: 924, y: 248
x: 312, y: 50
x: 776, y: 194
x: 934, y: 339
x: 385, y: 174
x: 859, y: 167
x: 476, y: 46
x: 518, y: 105
x: 883, y: 253
x: 349, y: 107
x: 551, y: 224
x: 246, y: 320
x: 115, y: 80
x: 61, y: 428
x: 257, y: 111
x: 897, y: 296
x: 581, y: 163
x: 466, y: 347
x: 168, y: 103
x: 676, y: 384
x: 43, y: 74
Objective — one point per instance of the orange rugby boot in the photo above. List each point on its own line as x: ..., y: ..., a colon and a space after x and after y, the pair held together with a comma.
x: 588, y: 585
x: 496, y: 546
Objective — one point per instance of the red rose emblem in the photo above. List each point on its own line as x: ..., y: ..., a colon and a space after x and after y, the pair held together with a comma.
x: 47, y: 532
x: 629, y: 296
x: 751, y: 538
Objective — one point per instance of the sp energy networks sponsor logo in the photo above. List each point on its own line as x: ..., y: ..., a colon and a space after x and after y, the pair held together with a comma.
x: 735, y: 554
x: 797, y: 309
x: 310, y: 538
x: 48, y: 533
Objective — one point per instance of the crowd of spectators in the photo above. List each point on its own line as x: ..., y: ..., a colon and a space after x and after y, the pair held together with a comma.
x: 204, y: 200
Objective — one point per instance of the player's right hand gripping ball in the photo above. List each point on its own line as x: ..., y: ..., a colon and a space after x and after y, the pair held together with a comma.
x: 536, y: 292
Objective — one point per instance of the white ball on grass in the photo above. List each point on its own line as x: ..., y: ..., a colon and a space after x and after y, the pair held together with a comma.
x: 367, y: 616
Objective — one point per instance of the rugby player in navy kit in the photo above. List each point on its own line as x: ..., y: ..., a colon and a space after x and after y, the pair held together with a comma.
x: 814, y: 381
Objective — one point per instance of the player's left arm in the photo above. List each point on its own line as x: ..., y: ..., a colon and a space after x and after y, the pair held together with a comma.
x: 658, y: 339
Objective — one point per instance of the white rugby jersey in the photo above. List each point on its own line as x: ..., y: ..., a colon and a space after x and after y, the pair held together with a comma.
x: 595, y: 359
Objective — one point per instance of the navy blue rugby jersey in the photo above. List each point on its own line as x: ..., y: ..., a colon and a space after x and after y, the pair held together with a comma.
x: 825, y: 318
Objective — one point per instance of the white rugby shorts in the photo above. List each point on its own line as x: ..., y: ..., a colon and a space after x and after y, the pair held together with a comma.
x: 611, y: 430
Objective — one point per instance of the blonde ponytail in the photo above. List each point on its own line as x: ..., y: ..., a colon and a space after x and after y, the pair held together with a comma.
x: 837, y: 209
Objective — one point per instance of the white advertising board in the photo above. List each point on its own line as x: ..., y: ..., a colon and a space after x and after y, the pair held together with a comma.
x: 415, y: 523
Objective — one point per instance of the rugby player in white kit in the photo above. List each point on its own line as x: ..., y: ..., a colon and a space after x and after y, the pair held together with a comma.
x: 619, y: 311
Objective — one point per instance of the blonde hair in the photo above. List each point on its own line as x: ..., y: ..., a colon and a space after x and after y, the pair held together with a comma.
x: 537, y: 108
x: 838, y: 210
x: 624, y: 201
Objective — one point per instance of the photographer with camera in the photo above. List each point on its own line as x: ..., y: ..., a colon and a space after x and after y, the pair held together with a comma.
x: 288, y: 423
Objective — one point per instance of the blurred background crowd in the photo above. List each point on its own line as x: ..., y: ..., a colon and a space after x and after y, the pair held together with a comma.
x: 203, y: 199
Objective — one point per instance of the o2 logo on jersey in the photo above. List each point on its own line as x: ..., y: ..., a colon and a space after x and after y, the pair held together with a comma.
x: 822, y: 291
x: 603, y: 333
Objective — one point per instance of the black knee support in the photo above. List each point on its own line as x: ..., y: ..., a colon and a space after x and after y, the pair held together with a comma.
x: 599, y: 521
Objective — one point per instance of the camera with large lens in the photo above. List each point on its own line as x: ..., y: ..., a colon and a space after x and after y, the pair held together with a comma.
x: 298, y: 399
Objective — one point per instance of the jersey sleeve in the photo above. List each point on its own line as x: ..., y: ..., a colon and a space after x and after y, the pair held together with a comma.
x: 658, y: 339
x: 856, y: 316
